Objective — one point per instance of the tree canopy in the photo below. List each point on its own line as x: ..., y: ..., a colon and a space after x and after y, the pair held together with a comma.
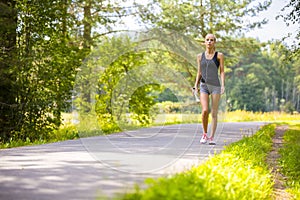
x: 48, y: 49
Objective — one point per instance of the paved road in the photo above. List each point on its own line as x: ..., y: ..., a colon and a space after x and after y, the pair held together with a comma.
x: 106, y: 165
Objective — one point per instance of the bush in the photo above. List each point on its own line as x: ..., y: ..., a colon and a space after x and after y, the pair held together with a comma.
x: 66, y: 132
x: 169, y: 107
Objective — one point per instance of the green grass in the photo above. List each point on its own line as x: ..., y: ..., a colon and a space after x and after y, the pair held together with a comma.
x: 290, y: 159
x: 18, y: 142
x: 65, y: 132
x: 238, y: 172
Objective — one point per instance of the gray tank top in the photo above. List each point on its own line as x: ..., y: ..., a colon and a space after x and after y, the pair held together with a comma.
x: 209, y: 70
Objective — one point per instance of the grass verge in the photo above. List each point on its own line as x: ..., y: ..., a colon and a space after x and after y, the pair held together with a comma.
x: 290, y: 160
x: 238, y: 172
x: 65, y: 132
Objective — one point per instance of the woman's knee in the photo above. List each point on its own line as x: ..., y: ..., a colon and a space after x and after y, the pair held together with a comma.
x: 204, y: 112
x: 214, y: 114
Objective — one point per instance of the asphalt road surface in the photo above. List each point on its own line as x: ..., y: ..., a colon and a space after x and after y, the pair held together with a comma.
x: 88, y: 168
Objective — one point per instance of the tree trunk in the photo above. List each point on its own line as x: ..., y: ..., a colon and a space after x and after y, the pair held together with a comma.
x: 87, y: 43
x: 87, y: 26
x: 202, y: 23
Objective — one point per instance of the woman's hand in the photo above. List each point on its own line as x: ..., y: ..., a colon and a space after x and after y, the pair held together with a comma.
x: 222, y: 89
x: 194, y: 89
x: 195, y: 93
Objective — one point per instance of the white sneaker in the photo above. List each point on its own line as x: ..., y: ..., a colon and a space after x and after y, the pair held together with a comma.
x: 203, y: 139
x: 211, y: 141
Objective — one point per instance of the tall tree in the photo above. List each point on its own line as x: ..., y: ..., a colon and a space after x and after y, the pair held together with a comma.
x: 46, y: 66
x: 227, y: 19
x: 263, y: 80
x: 197, y: 18
x: 293, y: 16
x: 95, y: 19
x: 8, y: 37
x: 120, y: 91
x: 42, y: 46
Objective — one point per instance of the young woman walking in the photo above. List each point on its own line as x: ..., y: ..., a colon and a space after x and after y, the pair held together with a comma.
x: 210, y: 64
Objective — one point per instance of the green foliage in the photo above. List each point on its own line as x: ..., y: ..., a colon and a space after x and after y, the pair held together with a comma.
x: 170, y: 107
x: 260, y: 80
x: 141, y: 102
x: 43, y: 45
x: 290, y: 159
x: 108, y: 124
x: 180, y: 187
x: 200, y: 18
x: 15, y: 142
x: 256, y: 79
x: 45, y: 69
x: 167, y: 95
x: 239, y: 172
x: 119, y: 92
x: 255, y: 148
x: 8, y: 24
x: 292, y: 17
x: 289, y: 107
x: 196, y: 19
x: 66, y: 132
x: 42, y: 70
x: 242, y: 94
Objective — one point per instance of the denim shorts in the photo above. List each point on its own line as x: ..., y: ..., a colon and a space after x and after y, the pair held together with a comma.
x: 209, y: 89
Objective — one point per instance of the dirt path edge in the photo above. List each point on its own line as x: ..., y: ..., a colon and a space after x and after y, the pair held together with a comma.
x: 280, y: 192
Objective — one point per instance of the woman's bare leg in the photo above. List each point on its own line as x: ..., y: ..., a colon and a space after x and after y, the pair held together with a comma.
x: 205, y: 110
x: 215, y: 98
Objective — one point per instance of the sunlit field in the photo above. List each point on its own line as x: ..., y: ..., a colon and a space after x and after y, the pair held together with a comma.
x: 235, y: 116
x: 241, y: 116
x: 88, y: 125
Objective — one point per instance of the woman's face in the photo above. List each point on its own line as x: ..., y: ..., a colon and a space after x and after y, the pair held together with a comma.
x: 210, y: 40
